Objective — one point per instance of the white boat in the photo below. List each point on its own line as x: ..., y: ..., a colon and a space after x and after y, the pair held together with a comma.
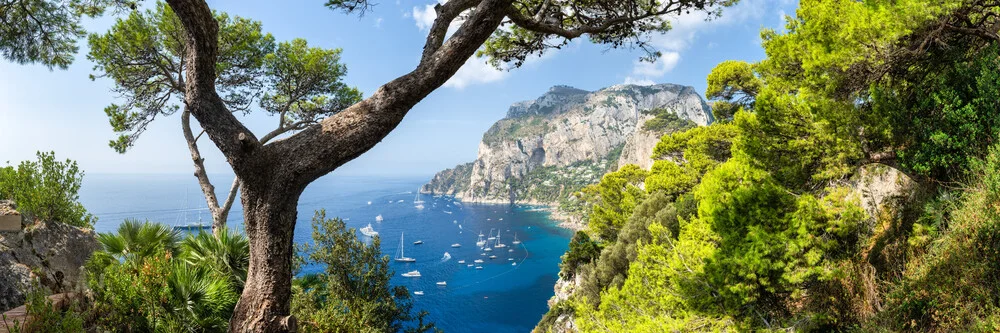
x: 456, y: 245
x: 510, y: 250
x: 469, y: 265
x: 501, y: 219
x: 369, y: 231
x: 454, y: 222
x: 515, y: 242
x: 417, y: 201
x: 378, y: 218
x: 419, y: 206
x: 493, y: 257
x: 499, y: 245
x: 478, y: 261
x: 481, y: 242
x: 418, y: 293
x: 400, y: 255
x: 479, y: 267
x: 369, y: 203
x: 459, y: 227
x: 510, y: 259
x: 483, y: 254
x: 412, y: 274
x: 400, y: 200
x: 442, y: 283
x: 488, y: 249
x: 418, y: 242
x: 461, y: 261
x: 513, y: 264
x: 491, y: 237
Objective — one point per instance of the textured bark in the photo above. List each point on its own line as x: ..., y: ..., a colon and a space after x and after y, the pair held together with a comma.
x: 270, y: 213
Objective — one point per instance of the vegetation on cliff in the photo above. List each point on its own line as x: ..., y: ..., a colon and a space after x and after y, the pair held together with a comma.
x: 757, y: 223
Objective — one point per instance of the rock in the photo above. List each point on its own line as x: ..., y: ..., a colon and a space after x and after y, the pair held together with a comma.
x: 10, y: 218
x: 52, y: 252
x: 880, y: 187
x: 550, y: 147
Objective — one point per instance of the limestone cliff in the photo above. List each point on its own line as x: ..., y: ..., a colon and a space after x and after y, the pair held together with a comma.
x: 550, y: 147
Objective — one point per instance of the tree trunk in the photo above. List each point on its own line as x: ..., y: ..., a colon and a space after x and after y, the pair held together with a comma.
x: 269, y: 213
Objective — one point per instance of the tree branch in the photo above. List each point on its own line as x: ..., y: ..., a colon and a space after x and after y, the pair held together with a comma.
x: 446, y: 13
x: 321, y: 148
x: 199, y: 163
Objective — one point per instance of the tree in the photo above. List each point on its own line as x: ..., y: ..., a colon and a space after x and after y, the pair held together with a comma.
x: 144, y: 55
x: 273, y: 174
x: 353, y: 292
x: 48, y: 189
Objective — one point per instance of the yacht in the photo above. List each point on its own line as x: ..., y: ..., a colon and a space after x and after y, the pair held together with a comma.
x: 418, y: 293
x: 442, y: 283
x: 369, y: 203
x: 469, y: 265
x: 456, y: 245
x: 491, y: 237
x: 378, y: 218
x: 418, y: 242
x: 510, y: 259
x: 493, y: 257
x: 515, y: 242
x: 479, y: 267
x: 513, y: 264
x: 488, y: 249
x: 419, y: 206
x: 481, y: 242
x: 401, y: 255
x: 461, y: 261
x: 447, y: 212
x: 413, y: 273
x: 369, y: 231
x: 478, y: 261
x: 510, y: 250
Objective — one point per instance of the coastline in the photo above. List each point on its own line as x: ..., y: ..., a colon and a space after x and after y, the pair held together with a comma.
x: 566, y: 220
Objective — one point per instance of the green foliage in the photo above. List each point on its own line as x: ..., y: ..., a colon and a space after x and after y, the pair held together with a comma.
x: 45, y: 31
x: 48, y: 189
x: 733, y: 86
x: 666, y: 121
x: 43, y: 316
x: 353, y: 293
x: 582, y: 250
x: 145, y: 279
x: 144, y: 55
x: 949, y: 119
x: 616, y: 196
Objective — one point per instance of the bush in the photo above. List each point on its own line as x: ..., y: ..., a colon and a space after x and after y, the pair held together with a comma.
x: 44, y: 317
x: 582, y: 250
x: 145, y: 279
x: 48, y: 189
x: 353, y: 293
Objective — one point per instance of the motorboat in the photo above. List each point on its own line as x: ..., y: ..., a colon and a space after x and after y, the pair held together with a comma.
x: 418, y: 242
x: 456, y: 245
x: 418, y: 293
x: 478, y: 261
x: 442, y: 283
x: 369, y: 231
x: 461, y: 261
x: 411, y: 274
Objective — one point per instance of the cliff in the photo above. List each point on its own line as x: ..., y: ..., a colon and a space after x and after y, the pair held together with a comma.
x: 548, y: 148
x: 51, y: 252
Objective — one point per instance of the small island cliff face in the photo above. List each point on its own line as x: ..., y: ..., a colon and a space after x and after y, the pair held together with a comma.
x: 548, y: 148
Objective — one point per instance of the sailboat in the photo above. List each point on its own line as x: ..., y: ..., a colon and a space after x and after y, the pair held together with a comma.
x: 515, y: 242
x: 369, y: 231
x: 401, y: 256
x: 499, y: 245
x: 189, y: 226
x: 491, y: 237
x: 417, y: 200
x: 480, y: 242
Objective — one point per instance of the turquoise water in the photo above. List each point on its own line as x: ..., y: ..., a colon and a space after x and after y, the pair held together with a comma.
x: 500, y: 297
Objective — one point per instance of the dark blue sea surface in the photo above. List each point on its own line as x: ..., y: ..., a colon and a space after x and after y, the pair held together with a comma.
x: 501, y: 297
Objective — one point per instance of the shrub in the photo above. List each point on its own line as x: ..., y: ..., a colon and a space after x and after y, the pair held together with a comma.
x: 48, y: 189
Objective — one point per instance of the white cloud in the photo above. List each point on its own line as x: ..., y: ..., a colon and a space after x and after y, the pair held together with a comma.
x: 661, y: 67
x: 424, y: 16
x: 684, y: 30
x: 475, y: 71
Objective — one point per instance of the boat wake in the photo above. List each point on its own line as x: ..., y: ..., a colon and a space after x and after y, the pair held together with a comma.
x: 446, y: 257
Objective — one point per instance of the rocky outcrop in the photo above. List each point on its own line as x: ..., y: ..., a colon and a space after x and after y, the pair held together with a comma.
x: 547, y: 148
x: 51, y: 252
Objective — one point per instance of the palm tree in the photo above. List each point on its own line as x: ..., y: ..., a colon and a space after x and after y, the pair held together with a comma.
x: 227, y: 255
x: 137, y: 240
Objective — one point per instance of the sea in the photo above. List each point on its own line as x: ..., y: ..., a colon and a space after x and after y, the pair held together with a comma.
x: 508, y: 294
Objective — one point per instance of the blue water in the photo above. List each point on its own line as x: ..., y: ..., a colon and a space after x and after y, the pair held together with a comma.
x: 499, y: 298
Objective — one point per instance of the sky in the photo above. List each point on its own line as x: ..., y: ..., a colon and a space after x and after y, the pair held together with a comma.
x: 62, y: 110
